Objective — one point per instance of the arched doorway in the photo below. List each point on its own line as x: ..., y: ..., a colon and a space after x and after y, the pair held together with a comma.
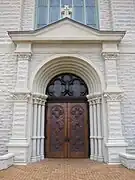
x: 80, y: 67
x: 67, y: 124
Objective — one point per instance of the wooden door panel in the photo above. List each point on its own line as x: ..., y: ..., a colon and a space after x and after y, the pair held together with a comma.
x: 77, y: 130
x: 56, y: 130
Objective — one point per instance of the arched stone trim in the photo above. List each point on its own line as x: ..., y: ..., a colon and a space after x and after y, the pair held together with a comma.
x: 80, y: 66
x: 62, y: 63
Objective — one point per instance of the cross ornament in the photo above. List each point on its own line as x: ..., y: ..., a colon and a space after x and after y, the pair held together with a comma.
x: 66, y: 11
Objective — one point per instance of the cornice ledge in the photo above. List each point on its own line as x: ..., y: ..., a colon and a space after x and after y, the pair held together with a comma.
x: 42, y: 34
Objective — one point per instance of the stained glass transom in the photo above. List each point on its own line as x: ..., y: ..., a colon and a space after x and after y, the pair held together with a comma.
x: 67, y: 85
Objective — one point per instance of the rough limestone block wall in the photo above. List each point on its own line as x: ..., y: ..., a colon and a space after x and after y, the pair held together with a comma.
x: 105, y: 22
x: 28, y: 15
x: 9, y: 20
x: 123, y: 17
x: 8, y: 66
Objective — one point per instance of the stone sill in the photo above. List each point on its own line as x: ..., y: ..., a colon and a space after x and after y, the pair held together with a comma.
x: 127, y: 160
x: 6, y: 161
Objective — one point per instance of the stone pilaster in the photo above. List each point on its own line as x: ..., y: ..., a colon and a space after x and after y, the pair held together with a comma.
x: 18, y: 143
x: 113, y: 96
x: 111, y: 70
x: 22, y: 72
x: 21, y: 97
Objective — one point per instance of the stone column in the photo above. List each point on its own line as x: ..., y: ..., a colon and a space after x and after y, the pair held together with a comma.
x: 18, y: 143
x: 34, y: 132
x: 39, y: 129
x: 115, y: 143
x: 42, y: 129
x: 100, y: 155
x: 95, y: 130
x: 91, y: 129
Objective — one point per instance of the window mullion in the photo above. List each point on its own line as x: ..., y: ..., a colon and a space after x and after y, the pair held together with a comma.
x: 60, y: 9
x: 72, y: 9
x: 85, y: 18
x: 48, y: 18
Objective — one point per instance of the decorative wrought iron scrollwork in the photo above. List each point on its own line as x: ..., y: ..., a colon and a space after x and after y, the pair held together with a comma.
x: 67, y: 85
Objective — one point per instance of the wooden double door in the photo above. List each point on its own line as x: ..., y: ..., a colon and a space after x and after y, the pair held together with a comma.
x: 67, y: 130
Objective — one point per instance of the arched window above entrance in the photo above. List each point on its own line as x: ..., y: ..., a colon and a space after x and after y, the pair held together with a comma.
x: 67, y: 85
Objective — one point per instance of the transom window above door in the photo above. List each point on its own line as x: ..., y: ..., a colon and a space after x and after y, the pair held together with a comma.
x: 49, y: 11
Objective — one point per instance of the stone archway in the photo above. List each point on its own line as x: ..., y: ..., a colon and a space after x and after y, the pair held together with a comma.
x: 29, y: 96
x: 83, y: 68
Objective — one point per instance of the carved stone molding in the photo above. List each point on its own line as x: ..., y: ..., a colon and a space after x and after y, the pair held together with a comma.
x: 113, y: 96
x: 93, y: 96
x: 110, y: 55
x: 20, y: 96
x: 23, y: 56
x: 39, y: 98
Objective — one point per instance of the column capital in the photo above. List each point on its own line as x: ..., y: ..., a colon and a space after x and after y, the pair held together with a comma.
x: 113, y: 96
x: 35, y: 100
x: 93, y: 96
x: 98, y: 100
x: 23, y: 56
x: 20, y: 96
x: 42, y: 97
x: 110, y: 55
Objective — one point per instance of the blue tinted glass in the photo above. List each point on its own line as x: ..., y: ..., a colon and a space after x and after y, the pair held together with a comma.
x: 42, y: 2
x: 79, y: 14
x: 90, y: 15
x: 90, y: 2
x: 66, y: 2
x: 78, y: 2
x: 42, y: 15
x: 54, y: 2
x: 54, y: 14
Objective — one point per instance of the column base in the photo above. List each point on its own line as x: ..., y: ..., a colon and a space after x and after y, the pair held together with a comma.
x: 100, y: 159
x: 38, y: 158
x: 33, y: 159
x: 113, y: 151
x: 42, y: 157
x: 95, y: 158
x: 92, y: 157
x: 20, y: 151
